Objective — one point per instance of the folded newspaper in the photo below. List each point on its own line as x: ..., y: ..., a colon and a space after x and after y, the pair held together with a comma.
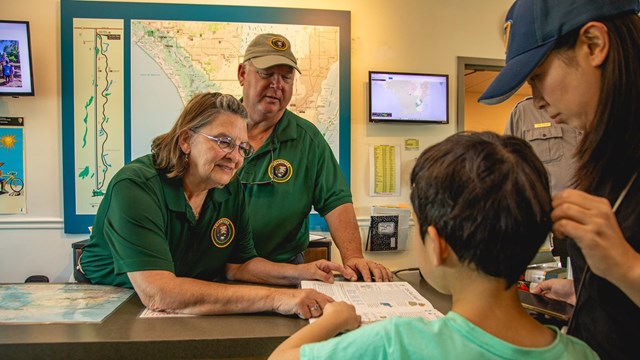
x: 377, y: 301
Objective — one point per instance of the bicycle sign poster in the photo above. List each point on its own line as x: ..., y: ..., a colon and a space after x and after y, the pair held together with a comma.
x: 12, y: 176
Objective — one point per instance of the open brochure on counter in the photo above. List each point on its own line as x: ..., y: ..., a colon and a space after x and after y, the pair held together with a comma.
x: 377, y: 301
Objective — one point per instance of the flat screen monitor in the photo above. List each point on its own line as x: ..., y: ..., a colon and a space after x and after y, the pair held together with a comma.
x: 408, y: 97
x: 16, y: 75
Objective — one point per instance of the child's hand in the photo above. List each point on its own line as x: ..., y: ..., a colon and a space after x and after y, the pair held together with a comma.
x: 337, y: 317
x: 343, y: 314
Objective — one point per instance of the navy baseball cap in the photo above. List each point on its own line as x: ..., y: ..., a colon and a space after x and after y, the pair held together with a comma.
x: 532, y: 28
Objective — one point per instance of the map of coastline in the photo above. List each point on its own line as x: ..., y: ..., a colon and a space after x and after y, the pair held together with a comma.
x: 127, y: 73
x: 410, y: 95
x: 169, y: 62
x: 204, y: 56
x: 400, y: 97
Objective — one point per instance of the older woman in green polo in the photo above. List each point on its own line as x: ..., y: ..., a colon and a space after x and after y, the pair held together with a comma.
x: 175, y: 220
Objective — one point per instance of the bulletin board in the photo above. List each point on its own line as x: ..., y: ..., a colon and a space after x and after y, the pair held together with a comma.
x: 129, y: 68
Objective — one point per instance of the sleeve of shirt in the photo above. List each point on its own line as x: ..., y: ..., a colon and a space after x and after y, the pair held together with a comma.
x: 516, y: 121
x: 331, y: 188
x: 244, y: 249
x: 136, y: 234
x: 508, y: 129
x: 367, y: 342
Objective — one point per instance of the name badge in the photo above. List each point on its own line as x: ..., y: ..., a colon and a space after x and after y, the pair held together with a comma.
x: 542, y: 125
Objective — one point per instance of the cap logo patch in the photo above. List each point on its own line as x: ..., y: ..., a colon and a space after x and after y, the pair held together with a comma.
x: 507, y: 33
x: 280, y: 170
x: 278, y: 43
x: 222, y: 233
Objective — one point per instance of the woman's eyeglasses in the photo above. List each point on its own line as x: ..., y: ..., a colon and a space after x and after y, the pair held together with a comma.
x: 227, y: 144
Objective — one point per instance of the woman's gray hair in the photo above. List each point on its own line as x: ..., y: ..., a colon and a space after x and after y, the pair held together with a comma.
x: 201, y: 110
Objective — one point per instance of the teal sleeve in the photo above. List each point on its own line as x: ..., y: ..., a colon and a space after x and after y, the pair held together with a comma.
x: 366, y: 342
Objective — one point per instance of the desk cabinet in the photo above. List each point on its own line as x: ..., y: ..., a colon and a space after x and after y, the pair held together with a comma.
x: 318, y: 250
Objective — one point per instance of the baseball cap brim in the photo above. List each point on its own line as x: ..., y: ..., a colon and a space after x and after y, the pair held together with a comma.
x: 514, y: 74
x: 268, y: 61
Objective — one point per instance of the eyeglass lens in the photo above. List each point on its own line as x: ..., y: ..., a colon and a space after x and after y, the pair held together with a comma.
x: 226, y: 144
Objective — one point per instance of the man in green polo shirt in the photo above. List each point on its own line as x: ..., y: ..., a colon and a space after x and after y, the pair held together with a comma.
x: 293, y: 168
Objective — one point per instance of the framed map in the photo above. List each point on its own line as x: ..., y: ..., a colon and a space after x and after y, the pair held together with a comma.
x: 129, y: 68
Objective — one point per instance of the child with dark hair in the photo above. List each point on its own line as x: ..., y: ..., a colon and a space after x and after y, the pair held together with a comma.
x: 482, y: 206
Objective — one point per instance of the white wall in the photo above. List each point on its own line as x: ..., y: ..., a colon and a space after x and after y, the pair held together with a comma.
x: 403, y: 35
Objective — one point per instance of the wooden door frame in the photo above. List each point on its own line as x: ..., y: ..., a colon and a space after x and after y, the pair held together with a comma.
x: 471, y: 63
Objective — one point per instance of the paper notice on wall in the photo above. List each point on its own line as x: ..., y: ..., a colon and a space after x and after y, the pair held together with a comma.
x: 412, y: 144
x: 384, y: 165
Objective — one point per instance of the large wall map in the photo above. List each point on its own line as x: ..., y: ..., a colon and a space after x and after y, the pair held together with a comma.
x: 179, y: 59
x: 129, y: 68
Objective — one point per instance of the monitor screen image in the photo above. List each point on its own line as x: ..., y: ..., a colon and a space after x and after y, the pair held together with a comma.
x: 408, y: 97
x: 16, y: 76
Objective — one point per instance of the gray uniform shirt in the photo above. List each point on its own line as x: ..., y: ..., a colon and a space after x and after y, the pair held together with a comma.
x: 553, y: 143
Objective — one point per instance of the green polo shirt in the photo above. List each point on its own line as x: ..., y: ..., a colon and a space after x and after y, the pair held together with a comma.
x: 144, y: 222
x: 305, y: 173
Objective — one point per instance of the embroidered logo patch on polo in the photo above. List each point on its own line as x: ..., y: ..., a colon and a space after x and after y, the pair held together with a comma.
x: 278, y: 43
x: 222, y: 232
x: 280, y: 170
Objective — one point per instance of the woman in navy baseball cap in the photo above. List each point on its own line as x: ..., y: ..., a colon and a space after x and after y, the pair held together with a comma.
x: 582, y: 60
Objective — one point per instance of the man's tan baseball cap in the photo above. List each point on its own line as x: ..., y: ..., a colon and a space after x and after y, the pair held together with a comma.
x: 268, y: 50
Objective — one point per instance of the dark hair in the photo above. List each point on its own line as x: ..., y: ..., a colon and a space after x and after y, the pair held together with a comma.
x: 201, y: 110
x: 488, y: 196
x: 609, y: 152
